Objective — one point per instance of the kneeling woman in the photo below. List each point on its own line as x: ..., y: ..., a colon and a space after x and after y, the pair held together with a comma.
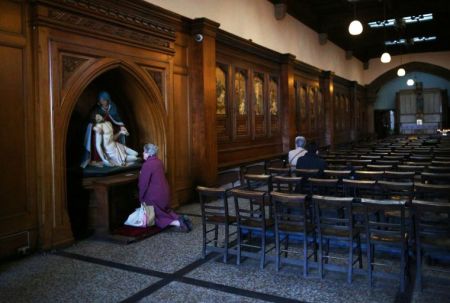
x: 154, y: 190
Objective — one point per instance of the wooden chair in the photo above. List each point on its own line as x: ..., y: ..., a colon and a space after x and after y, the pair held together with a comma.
x: 432, y: 236
x: 279, y: 171
x: 293, y: 218
x: 397, y: 190
x: 435, y: 178
x: 228, y: 179
x: 324, y: 187
x: 378, y: 167
x: 360, y: 188
x: 215, y: 213
x: 287, y: 184
x: 368, y: 175
x: 399, y: 176
x: 334, y: 221
x: 438, y: 169
x: 337, y: 174
x: 385, y: 233
x: 432, y: 192
x: 251, y: 217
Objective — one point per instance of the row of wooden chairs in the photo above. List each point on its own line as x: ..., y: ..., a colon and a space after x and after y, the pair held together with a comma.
x: 316, y: 220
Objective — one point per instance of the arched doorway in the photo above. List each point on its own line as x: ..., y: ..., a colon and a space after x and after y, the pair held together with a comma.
x: 141, y: 108
x: 382, y: 92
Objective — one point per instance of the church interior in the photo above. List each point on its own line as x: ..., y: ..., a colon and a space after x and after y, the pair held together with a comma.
x: 224, y: 90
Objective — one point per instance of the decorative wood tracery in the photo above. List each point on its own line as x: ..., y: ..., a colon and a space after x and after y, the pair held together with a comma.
x: 69, y: 65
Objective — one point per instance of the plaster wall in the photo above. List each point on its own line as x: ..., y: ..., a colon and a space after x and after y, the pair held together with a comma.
x: 386, y: 95
x: 255, y: 20
x: 376, y: 68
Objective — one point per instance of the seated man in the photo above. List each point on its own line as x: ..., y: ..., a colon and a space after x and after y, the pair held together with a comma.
x: 298, y: 152
x: 311, y: 159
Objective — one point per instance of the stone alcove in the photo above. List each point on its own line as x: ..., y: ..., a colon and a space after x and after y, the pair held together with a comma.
x: 140, y: 104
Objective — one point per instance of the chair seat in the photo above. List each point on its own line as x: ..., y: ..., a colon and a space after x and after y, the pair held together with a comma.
x: 256, y: 223
x: 220, y: 219
x: 388, y: 239
x: 330, y: 232
x: 436, y: 242
x: 291, y: 228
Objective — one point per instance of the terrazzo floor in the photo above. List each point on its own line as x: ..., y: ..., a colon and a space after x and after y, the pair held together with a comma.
x: 168, y: 267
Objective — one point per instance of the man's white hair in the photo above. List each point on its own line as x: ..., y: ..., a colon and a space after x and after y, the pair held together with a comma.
x: 300, y: 141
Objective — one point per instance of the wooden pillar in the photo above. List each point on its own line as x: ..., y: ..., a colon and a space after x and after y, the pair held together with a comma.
x: 327, y: 83
x: 288, y: 101
x: 353, y: 99
x: 202, y: 71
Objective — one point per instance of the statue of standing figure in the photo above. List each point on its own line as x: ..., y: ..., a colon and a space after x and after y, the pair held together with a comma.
x: 104, y: 141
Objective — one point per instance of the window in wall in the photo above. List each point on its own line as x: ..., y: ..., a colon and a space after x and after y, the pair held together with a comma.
x: 221, y: 108
x: 273, y: 97
x: 258, y: 84
x: 240, y: 87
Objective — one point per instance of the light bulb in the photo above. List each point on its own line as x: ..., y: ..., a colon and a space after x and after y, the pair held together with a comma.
x: 401, y: 72
x: 385, y: 57
x: 410, y: 82
x: 355, y: 28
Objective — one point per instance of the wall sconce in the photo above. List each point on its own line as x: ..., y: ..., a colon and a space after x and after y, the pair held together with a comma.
x: 385, y: 57
x: 410, y: 82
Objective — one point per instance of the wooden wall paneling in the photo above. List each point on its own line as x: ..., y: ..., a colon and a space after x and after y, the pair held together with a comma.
x: 342, y: 90
x: 260, y: 105
x: 224, y: 106
x: 18, y: 208
x: 289, y: 100
x: 308, y: 87
x: 249, y: 130
x: 327, y: 83
x: 242, y: 103
x: 203, y: 95
x: 274, y: 105
x: 141, y: 74
x: 181, y: 114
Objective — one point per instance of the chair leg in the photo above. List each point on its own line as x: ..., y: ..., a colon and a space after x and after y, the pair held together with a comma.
x: 277, y: 248
x: 402, y: 268
x: 350, y: 262
x: 315, y: 246
x: 216, y: 235
x: 359, y: 253
x: 286, y: 246
x: 305, y: 255
x: 263, y: 250
x: 419, y: 268
x: 320, y: 257
x: 239, y: 239
x: 227, y: 235
x: 204, y: 241
x: 369, y: 260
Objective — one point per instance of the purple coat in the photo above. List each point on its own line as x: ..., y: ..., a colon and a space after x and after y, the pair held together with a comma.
x: 154, y: 190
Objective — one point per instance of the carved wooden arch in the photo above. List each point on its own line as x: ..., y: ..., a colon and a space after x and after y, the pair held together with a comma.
x: 375, y: 85
x: 151, y: 114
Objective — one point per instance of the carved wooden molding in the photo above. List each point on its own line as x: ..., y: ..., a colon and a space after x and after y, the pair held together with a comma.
x: 69, y: 65
x: 100, y: 21
x: 157, y: 76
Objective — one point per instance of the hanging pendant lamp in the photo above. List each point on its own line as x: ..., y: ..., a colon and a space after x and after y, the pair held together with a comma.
x: 385, y: 57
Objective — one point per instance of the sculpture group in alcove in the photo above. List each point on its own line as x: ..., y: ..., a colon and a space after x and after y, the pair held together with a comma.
x: 105, y: 137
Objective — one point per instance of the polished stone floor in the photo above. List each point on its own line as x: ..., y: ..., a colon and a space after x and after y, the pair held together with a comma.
x: 168, y: 268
